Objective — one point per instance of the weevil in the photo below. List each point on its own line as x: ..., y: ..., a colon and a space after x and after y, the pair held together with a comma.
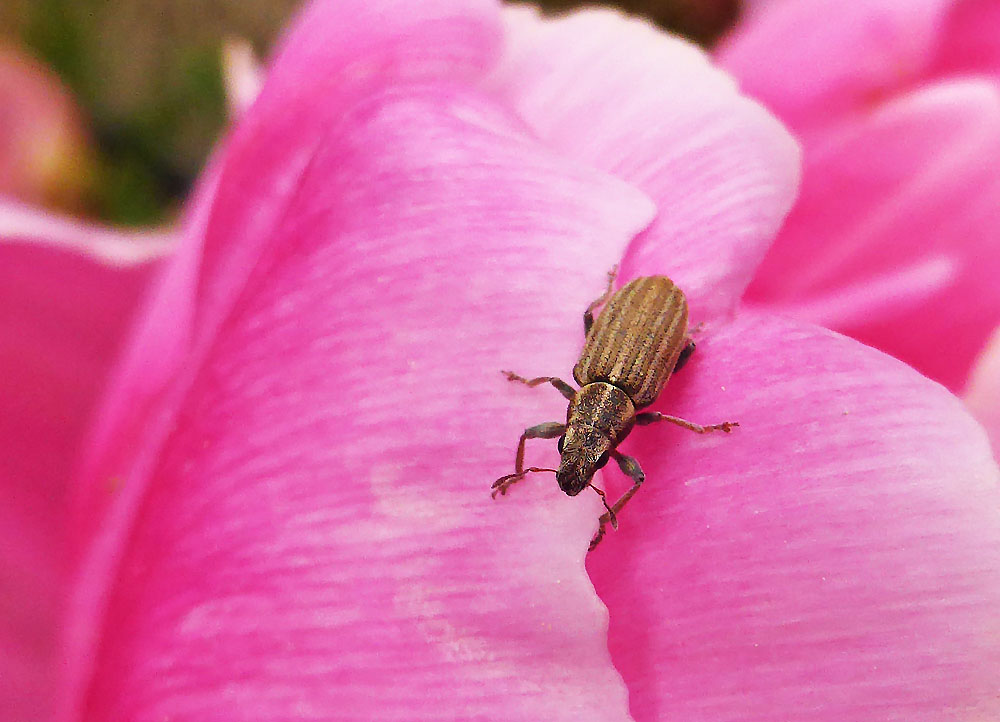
x: 639, y: 339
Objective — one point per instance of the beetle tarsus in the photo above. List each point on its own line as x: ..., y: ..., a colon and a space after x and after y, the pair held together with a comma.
x: 597, y: 539
x: 501, y: 485
x: 606, y: 518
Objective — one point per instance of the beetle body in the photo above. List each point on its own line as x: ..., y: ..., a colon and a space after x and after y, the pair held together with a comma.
x: 637, y: 342
x: 628, y: 356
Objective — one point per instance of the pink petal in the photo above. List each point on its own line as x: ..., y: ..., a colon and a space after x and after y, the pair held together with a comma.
x: 894, y: 240
x: 835, y: 558
x: 982, y: 394
x: 336, y: 56
x: 970, y: 39
x: 811, y: 60
x: 66, y: 294
x: 304, y: 529
x: 159, y: 343
x: 652, y: 110
x: 339, y: 54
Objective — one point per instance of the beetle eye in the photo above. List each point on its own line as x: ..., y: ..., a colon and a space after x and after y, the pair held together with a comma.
x: 603, y: 460
x: 559, y: 444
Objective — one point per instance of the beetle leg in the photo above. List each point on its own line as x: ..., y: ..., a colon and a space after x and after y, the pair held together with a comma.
x: 588, y: 315
x: 561, y: 386
x: 631, y: 469
x: 684, y: 355
x: 651, y: 417
x: 548, y: 430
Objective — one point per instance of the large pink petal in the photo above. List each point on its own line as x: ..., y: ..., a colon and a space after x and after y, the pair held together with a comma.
x: 652, y: 109
x: 811, y: 60
x: 159, y: 343
x: 338, y: 53
x: 835, y: 558
x: 67, y: 292
x: 305, y: 531
x: 894, y: 240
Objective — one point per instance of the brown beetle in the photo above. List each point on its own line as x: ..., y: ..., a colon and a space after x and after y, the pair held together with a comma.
x: 639, y: 339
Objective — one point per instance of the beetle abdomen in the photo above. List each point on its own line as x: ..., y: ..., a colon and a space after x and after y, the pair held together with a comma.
x: 635, y: 342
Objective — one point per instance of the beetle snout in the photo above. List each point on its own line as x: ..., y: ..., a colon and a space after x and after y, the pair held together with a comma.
x: 570, y: 480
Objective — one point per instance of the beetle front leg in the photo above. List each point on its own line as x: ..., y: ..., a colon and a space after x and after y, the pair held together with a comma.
x: 548, y: 430
x: 561, y: 386
x: 652, y: 417
x: 588, y: 315
x: 632, y: 470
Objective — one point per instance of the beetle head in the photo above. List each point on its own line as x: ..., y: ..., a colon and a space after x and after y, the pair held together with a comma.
x: 584, y: 450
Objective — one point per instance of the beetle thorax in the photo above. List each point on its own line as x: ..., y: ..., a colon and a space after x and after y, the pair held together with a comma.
x: 604, y: 407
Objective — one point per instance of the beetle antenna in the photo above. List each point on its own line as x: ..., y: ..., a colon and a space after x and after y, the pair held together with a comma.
x: 611, y: 512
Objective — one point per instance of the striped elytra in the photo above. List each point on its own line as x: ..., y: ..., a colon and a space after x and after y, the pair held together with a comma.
x: 636, y: 340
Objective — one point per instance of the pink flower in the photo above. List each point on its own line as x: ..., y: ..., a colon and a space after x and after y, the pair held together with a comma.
x: 44, y: 151
x: 895, y: 239
x: 283, y: 508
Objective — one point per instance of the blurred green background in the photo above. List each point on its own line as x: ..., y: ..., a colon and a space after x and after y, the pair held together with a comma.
x: 147, y: 75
